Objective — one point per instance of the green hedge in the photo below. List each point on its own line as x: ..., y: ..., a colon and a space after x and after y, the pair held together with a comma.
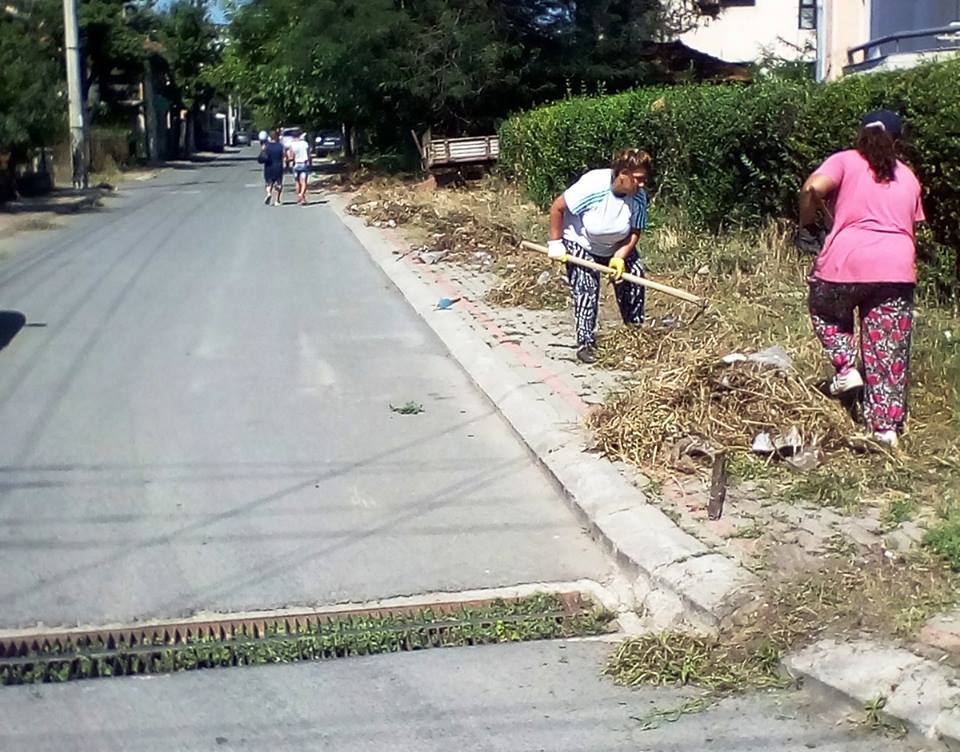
x: 734, y: 154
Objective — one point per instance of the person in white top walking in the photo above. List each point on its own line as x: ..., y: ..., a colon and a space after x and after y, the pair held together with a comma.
x: 599, y: 218
x: 299, y: 154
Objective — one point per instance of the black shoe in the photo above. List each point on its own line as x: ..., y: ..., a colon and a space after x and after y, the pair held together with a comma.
x: 587, y: 354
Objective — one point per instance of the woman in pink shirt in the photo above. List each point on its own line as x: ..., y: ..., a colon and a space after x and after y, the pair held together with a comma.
x: 868, y: 265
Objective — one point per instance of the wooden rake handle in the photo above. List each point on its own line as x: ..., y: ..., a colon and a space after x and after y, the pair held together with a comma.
x: 643, y: 281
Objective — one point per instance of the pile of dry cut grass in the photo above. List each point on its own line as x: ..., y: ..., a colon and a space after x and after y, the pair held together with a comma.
x: 679, y: 386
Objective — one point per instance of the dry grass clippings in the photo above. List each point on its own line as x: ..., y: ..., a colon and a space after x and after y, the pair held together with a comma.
x: 877, y: 595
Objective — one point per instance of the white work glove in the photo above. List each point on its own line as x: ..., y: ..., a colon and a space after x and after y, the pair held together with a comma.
x: 556, y: 250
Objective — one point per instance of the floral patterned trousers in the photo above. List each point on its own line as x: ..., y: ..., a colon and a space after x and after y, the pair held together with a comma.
x: 886, y: 323
x: 585, y: 285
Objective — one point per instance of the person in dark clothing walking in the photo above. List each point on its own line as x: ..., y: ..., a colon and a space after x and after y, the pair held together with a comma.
x: 271, y: 156
x: 599, y: 218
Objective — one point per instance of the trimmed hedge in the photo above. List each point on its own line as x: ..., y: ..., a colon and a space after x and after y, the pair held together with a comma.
x: 734, y: 154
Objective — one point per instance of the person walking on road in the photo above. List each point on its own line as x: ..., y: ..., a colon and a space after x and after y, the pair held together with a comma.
x: 271, y: 156
x: 299, y: 154
x: 867, y: 265
x: 599, y: 218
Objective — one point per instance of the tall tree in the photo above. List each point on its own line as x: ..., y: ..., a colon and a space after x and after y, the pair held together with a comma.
x: 455, y: 65
x: 31, y: 87
x: 193, y: 48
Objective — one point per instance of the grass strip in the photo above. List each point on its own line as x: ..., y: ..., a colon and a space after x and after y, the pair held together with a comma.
x: 67, y: 659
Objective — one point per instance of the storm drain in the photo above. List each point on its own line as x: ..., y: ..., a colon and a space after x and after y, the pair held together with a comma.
x: 68, y: 655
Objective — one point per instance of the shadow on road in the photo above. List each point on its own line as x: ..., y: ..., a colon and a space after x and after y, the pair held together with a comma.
x: 58, y: 201
x: 11, y: 322
x: 200, y: 161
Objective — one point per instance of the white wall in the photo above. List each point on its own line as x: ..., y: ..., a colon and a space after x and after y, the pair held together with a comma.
x: 741, y: 33
x: 847, y: 24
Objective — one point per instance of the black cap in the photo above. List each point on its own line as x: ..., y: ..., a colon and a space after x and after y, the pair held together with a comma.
x: 889, y: 121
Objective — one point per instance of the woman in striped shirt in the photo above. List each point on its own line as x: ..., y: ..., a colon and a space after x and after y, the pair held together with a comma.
x: 599, y: 218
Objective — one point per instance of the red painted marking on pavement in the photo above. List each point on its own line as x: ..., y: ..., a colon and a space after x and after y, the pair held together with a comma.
x: 526, y: 358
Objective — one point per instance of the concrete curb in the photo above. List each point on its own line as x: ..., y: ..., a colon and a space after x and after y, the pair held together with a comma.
x: 921, y: 693
x: 676, y: 578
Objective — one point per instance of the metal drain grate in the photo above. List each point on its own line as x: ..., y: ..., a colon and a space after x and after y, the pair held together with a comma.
x: 68, y: 655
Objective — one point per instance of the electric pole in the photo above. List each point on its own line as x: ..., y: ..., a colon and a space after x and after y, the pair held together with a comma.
x: 77, y: 115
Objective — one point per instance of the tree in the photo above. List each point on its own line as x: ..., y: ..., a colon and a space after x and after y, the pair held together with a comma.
x: 112, y: 35
x: 32, y: 102
x: 192, y: 47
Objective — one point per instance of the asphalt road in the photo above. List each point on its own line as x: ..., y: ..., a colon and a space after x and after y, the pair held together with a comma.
x: 504, y: 698
x: 197, y: 416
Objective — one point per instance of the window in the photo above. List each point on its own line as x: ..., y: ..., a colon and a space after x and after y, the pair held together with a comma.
x: 808, y: 14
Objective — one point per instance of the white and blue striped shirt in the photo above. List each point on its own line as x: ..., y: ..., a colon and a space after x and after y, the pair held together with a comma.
x: 598, y: 219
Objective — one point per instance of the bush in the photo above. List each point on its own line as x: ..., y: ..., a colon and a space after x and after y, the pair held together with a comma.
x: 730, y: 154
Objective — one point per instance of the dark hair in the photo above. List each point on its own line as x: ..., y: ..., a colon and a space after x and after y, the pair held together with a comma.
x: 275, y: 135
x: 879, y: 148
x: 630, y: 160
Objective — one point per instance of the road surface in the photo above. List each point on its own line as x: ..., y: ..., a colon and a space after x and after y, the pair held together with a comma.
x: 204, y: 421
x: 197, y: 416
x: 502, y: 698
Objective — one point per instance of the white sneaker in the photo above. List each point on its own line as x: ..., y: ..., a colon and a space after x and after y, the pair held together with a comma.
x: 888, y: 438
x: 844, y: 382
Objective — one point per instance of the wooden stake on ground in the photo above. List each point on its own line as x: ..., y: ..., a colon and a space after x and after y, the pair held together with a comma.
x: 633, y: 279
x: 718, y: 486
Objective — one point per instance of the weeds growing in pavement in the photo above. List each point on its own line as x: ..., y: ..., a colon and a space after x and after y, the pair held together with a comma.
x: 943, y: 537
x: 889, y: 599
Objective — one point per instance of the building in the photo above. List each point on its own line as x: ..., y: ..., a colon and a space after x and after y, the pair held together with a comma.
x: 745, y: 31
x: 862, y: 35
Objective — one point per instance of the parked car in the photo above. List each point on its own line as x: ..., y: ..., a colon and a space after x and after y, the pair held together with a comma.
x: 241, y: 138
x: 328, y: 143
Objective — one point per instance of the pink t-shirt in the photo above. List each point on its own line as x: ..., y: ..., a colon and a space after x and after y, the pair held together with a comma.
x: 872, y: 235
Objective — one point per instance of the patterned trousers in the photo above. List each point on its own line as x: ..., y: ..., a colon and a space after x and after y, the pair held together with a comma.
x: 886, y: 324
x: 585, y: 285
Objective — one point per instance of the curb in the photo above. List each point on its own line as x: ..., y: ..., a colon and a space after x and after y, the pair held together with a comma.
x: 676, y: 579
x: 921, y: 693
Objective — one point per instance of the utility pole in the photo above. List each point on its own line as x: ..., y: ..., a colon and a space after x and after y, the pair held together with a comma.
x: 77, y: 115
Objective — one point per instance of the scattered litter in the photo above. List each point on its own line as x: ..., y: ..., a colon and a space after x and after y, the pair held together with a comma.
x: 693, y: 446
x: 408, y: 408
x: 432, y: 257
x: 686, y: 451
x: 733, y: 358
x: 485, y: 260
x: 543, y: 278
x: 762, y: 444
x: 789, y: 443
x: 774, y: 356
x: 807, y: 459
x: 703, y: 271
x: 444, y: 303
